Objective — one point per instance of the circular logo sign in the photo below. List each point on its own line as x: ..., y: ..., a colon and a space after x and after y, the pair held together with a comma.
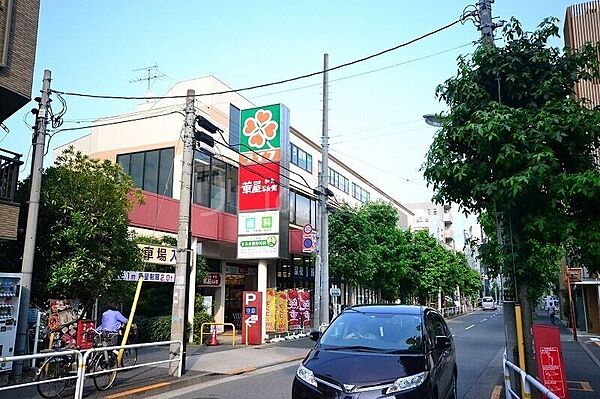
x: 308, y: 243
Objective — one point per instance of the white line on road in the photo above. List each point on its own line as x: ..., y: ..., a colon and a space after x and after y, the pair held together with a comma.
x: 481, y: 321
x: 471, y: 326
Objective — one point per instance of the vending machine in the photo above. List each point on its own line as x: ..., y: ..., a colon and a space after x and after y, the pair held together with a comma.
x: 10, y: 290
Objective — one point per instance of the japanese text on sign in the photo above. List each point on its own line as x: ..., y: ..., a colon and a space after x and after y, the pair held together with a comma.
x: 158, y: 255
x: 148, y: 276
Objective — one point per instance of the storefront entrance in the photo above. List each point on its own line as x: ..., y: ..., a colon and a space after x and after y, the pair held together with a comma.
x: 238, y: 278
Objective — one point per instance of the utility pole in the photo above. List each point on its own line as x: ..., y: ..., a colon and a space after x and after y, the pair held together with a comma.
x: 32, y: 218
x: 324, y: 233
x: 179, y: 316
x: 486, y: 25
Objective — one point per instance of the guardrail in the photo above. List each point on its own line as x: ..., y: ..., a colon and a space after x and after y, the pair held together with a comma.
x: 527, y: 381
x: 79, y: 383
x: 82, y: 358
x: 451, y: 311
x: 233, y: 335
x: 82, y: 367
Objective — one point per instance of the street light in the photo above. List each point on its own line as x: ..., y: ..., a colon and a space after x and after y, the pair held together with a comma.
x: 433, y: 120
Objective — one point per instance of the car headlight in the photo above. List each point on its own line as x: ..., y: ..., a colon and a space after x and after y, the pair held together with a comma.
x: 306, y: 375
x: 404, y: 383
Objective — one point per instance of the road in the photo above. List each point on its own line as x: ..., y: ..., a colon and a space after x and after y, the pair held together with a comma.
x: 479, y: 339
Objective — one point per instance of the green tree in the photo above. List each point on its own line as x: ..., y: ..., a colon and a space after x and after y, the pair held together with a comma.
x: 83, y: 243
x: 517, y: 144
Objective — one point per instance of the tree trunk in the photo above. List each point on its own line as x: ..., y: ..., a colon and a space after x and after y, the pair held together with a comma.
x: 527, y: 316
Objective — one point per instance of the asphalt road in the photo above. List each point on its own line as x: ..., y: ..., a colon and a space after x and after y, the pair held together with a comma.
x: 479, y: 338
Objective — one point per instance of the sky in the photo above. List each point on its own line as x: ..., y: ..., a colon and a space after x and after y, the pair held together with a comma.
x: 375, y: 119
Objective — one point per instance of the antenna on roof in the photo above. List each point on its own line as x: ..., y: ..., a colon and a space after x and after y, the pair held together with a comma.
x: 152, y: 74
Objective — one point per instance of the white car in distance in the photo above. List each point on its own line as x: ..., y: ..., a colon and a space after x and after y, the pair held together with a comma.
x: 487, y: 303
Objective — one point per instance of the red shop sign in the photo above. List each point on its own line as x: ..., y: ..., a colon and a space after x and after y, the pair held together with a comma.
x: 259, y: 187
x: 212, y: 279
x: 550, y: 364
x: 252, y: 317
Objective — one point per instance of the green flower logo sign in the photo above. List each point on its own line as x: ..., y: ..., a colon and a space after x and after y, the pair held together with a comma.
x: 261, y: 129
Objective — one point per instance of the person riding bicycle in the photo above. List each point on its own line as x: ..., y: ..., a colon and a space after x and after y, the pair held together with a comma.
x: 112, y: 319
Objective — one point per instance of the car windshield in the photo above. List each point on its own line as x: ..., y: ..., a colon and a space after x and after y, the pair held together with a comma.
x: 381, y: 332
x: 488, y: 300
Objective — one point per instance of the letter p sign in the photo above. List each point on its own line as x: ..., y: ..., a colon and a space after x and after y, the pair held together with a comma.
x: 250, y: 298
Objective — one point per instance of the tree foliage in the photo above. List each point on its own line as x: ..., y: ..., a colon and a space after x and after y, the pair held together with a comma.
x: 518, y: 145
x: 368, y: 248
x: 83, y: 243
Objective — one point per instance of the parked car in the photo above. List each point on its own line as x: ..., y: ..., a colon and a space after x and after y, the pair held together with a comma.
x: 487, y: 303
x: 380, y: 351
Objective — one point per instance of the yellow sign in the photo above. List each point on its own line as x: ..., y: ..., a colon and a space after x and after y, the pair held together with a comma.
x: 271, y: 309
x: 281, y: 318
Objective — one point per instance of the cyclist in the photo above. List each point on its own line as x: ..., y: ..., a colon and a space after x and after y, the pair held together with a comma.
x: 112, y: 319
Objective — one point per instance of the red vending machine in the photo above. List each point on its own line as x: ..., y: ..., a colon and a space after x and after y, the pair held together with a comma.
x: 252, y: 317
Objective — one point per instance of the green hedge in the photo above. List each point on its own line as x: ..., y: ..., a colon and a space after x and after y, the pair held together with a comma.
x: 158, y: 328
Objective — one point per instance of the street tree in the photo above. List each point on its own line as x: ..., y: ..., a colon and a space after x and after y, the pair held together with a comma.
x: 83, y: 242
x: 518, y: 144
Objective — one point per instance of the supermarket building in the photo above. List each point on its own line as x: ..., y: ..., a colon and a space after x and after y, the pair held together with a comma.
x: 150, y: 151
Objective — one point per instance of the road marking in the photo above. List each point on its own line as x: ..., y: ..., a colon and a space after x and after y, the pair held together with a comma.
x: 496, y: 392
x: 582, y: 386
x: 481, y: 321
x: 471, y: 326
x: 138, y: 390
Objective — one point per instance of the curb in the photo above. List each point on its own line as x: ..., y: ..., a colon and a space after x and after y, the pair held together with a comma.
x: 160, y: 386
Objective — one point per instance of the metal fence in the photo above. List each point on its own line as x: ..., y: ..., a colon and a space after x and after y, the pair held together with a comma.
x: 527, y: 382
x: 82, y: 359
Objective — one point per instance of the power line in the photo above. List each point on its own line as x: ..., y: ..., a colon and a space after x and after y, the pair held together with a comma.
x: 381, y: 135
x: 351, y: 133
x: 308, y: 75
x: 379, y: 168
x: 114, y: 123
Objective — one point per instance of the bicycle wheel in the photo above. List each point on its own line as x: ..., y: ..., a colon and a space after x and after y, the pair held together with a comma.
x: 130, y: 357
x: 104, y: 361
x: 54, y: 367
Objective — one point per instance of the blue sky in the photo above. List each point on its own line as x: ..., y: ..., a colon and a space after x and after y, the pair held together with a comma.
x: 375, y: 119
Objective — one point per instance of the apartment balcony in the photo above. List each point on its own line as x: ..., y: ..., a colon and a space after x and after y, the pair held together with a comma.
x: 9, y: 210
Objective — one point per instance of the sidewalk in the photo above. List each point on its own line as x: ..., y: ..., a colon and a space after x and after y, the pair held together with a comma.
x: 581, y: 359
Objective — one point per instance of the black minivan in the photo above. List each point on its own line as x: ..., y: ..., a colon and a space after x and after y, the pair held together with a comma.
x: 380, y: 351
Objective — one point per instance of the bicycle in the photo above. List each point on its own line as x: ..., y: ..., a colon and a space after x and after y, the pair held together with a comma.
x: 61, y: 366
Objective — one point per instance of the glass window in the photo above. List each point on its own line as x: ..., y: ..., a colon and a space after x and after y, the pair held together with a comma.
x: 123, y: 160
x: 136, y: 168
x: 300, y: 158
x: 379, y: 332
x: 202, y: 178
x: 234, y: 127
x: 217, y: 189
x: 165, y: 172
x: 303, y: 205
x: 309, y: 163
x: 151, y: 171
x: 232, y: 189
x: 294, y: 155
x: 292, y: 207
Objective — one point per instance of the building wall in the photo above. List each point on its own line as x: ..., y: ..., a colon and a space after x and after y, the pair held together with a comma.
x: 106, y: 142
x: 19, y: 26
x: 439, y: 220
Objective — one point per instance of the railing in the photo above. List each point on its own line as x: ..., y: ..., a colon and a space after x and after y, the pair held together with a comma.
x: 9, y: 174
x: 82, y: 359
x: 451, y: 311
x: 82, y: 367
x: 79, y: 383
x: 527, y: 382
x: 232, y: 335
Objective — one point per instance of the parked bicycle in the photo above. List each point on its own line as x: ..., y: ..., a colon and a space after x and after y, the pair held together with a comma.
x: 62, y: 366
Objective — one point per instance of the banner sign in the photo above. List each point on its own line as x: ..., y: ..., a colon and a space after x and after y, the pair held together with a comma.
x: 148, y: 276
x: 264, y: 134
x: 294, y: 320
x: 282, y: 312
x: 304, y: 305
x: 271, y: 304
x: 258, y: 247
x: 258, y: 223
x: 550, y: 364
x: 159, y: 255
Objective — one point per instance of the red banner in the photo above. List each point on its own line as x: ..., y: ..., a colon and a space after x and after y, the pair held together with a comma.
x: 294, y: 320
x: 304, y: 301
x: 259, y: 187
x: 550, y: 364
